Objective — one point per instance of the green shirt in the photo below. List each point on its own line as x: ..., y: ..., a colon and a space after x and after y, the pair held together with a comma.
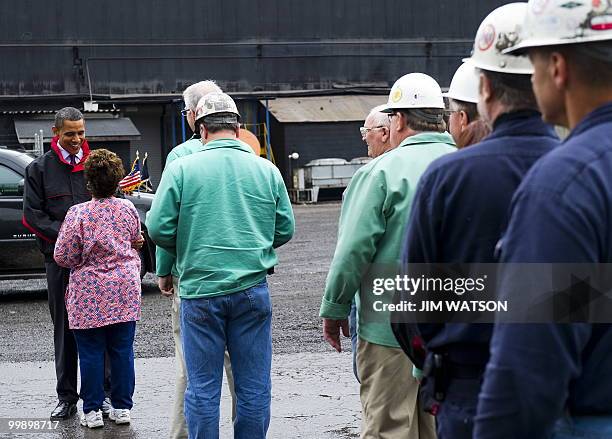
x: 221, y: 212
x: 372, y: 225
x: 166, y: 263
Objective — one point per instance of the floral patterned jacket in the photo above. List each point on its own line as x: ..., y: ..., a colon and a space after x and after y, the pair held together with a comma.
x: 95, y: 243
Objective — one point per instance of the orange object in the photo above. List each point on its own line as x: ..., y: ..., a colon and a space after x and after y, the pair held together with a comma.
x: 248, y: 137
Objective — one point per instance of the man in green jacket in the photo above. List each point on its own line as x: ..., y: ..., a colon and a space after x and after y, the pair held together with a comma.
x: 168, y: 274
x: 221, y: 212
x: 372, y: 224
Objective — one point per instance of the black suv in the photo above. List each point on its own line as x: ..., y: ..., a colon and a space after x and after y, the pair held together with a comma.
x: 19, y: 254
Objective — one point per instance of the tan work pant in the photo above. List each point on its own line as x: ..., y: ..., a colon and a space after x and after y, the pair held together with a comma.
x: 389, y: 395
x: 178, y: 428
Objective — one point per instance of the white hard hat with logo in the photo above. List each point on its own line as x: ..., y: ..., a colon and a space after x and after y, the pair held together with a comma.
x: 464, y: 85
x: 555, y: 22
x: 414, y: 90
x: 216, y: 103
x: 497, y: 32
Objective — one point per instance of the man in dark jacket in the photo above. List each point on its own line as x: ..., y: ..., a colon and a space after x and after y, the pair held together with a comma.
x: 461, y: 208
x: 545, y: 374
x: 54, y: 182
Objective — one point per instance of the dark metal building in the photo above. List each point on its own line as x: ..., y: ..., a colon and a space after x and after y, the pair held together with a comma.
x: 135, y: 58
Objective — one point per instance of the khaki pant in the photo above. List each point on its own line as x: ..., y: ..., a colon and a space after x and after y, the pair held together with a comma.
x: 389, y: 395
x: 178, y: 429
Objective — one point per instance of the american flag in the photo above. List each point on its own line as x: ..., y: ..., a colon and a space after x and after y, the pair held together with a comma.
x: 145, y: 185
x: 131, y: 181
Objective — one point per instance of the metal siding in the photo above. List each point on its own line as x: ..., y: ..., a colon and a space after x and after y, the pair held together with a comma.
x: 182, y: 20
x: 113, y: 129
x: 348, y: 42
x: 324, y: 108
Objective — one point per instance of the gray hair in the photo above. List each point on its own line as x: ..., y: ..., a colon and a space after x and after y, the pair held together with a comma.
x: 469, y: 108
x: 67, y: 113
x: 195, y: 92
x: 379, y: 119
x: 513, y: 91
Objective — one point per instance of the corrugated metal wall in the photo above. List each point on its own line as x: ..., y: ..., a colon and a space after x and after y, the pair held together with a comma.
x: 155, y: 46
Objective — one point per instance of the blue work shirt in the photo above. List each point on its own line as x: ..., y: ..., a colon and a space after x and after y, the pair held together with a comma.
x: 461, y: 208
x: 561, y: 213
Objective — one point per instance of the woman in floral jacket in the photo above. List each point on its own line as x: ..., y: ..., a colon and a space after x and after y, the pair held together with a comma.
x: 103, y: 295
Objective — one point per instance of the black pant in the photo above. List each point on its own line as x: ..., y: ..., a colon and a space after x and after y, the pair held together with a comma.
x: 63, y: 339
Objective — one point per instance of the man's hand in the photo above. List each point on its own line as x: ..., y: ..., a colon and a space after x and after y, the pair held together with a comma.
x: 331, y: 332
x: 138, y: 243
x: 165, y: 285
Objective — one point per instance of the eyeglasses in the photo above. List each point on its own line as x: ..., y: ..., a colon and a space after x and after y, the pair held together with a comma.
x: 364, y: 130
x: 184, y: 111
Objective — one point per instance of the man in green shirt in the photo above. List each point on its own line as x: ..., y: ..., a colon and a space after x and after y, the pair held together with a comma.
x: 168, y: 275
x: 372, y: 224
x: 221, y: 212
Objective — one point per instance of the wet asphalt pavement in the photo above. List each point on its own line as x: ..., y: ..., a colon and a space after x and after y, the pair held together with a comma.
x: 314, y: 393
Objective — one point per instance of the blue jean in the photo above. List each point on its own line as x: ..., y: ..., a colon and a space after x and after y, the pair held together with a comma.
x: 456, y: 416
x: 584, y: 427
x: 118, y: 341
x: 242, y: 321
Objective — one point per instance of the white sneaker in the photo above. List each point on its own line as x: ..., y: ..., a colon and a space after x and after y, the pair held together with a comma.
x: 92, y: 419
x: 106, y: 407
x: 120, y: 416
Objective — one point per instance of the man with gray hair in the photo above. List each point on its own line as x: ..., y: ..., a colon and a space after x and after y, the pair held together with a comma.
x: 375, y: 132
x: 53, y: 183
x: 374, y: 212
x: 222, y: 212
x: 168, y: 274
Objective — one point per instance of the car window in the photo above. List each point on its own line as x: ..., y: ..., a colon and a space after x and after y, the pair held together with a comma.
x: 11, y: 183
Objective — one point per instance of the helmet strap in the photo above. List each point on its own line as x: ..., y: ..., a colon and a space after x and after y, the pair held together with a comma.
x: 427, y: 117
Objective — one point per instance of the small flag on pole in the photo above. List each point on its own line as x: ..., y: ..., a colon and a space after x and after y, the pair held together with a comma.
x: 146, y: 185
x: 133, y: 180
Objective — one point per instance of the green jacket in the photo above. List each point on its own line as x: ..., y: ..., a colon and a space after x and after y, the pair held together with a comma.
x: 221, y: 212
x: 166, y: 263
x: 373, y: 220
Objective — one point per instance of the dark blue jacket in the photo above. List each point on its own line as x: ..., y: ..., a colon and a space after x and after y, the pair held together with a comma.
x: 562, y: 212
x: 461, y: 208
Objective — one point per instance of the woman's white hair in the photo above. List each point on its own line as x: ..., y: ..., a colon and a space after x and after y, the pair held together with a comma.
x: 195, y: 92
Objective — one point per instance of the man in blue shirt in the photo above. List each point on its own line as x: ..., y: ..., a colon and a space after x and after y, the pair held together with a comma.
x: 550, y: 377
x: 461, y: 209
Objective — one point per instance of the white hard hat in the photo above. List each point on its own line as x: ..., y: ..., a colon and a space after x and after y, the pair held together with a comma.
x: 554, y: 22
x: 498, y: 31
x: 214, y: 103
x: 464, y: 85
x: 414, y: 90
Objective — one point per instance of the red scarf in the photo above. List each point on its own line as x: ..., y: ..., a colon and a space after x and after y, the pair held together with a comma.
x: 79, y: 166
